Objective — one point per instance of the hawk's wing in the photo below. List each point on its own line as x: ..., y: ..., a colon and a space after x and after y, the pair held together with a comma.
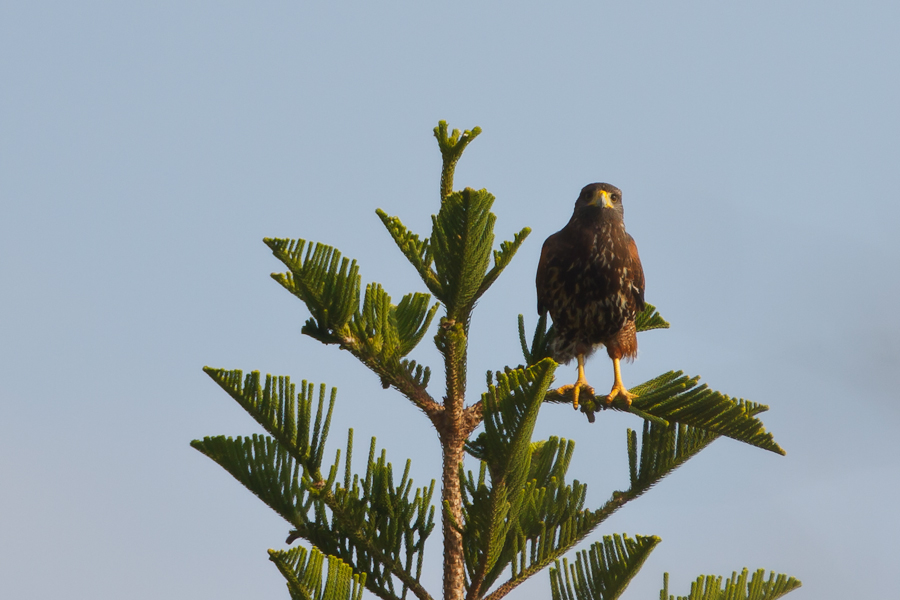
x: 547, y: 276
x: 637, y: 274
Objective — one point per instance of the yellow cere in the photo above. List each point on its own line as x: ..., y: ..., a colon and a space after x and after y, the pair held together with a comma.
x: 605, y: 199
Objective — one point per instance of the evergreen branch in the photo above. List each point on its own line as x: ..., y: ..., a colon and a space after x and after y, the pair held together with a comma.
x: 374, y: 327
x: 502, y: 258
x: 413, y: 319
x: 417, y: 374
x: 303, y: 572
x: 284, y: 413
x: 494, y: 514
x: 534, y: 554
x: 379, y: 334
x: 550, y: 460
x: 553, y: 519
x: 671, y: 397
x: 649, y: 319
x: 378, y: 566
x: 676, y: 398
x: 462, y: 237
x: 550, y: 521
x: 374, y: 526
x: 387, y: 332
x: 510, y: 411
x: 526, y: 351
x: 265, y: 468
x: 736, y: 587
x: 540, y: 342
x: 328, y: 285
x: 406, y: 377
x: 564, y: 521
x: 663, y: 449
x: 566, y: 525
x: 374, y: 521
x: 452, y: 147
x: 604, y: 572
x: 417, y: 252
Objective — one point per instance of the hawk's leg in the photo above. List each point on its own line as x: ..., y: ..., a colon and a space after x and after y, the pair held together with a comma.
x: 580, y: 383
x: 618, y: 388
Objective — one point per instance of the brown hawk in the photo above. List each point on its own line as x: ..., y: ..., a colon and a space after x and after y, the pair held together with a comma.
x: 591, y: 282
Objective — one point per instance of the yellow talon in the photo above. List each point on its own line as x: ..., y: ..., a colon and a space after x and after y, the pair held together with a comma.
x: 618, y: 388
x: 580, y: 384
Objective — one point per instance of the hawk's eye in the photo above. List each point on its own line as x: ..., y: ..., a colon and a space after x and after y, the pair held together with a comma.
x: 615, y: 198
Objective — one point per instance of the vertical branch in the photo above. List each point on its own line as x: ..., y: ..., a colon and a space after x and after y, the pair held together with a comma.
x: 454, y: 561
x: 453, y: 241
x: 453, y: 432
x: 452, y: 147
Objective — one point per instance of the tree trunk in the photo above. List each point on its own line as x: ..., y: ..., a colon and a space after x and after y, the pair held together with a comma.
x: 454, y: 563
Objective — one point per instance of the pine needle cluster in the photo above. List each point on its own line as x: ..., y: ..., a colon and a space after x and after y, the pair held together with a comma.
x: 518, y: 514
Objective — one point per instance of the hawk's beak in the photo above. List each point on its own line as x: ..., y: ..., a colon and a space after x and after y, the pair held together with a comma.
x: 602, y: 199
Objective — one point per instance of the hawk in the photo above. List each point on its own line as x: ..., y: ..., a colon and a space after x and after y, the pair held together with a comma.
x: 590, y: 280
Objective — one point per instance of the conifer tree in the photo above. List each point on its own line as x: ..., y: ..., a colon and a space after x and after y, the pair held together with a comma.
x: 517, y: 514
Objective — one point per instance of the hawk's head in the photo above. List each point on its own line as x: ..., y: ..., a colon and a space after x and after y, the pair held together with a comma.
x: 600, y: 200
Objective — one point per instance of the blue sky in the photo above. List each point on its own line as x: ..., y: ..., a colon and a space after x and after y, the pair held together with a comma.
x: 147, y: 148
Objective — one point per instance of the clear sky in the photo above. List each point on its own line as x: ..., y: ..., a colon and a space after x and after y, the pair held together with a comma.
x: 146, y: 148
